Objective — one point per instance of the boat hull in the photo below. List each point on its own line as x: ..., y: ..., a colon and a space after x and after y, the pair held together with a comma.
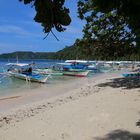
x: 131, y: 74
x: 77, y: 73
x: 32, y: 78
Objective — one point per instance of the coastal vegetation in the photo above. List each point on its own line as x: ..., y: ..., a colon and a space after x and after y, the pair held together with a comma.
x: 111, y: 31
x: 71, y: 52
x: 50, y: 14
x: 105, y: 35
x: 27, y: 55
x: 105, y: 105
x: 53, y: 13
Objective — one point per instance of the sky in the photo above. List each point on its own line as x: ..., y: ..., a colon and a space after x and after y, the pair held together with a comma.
x: 19, y: 32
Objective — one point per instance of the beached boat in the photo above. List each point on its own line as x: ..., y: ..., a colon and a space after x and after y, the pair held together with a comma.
x: 66, y: 69
x: 131, y: 74
x: 76, y: 72
x: 82, y: 64
x: 16, y: 70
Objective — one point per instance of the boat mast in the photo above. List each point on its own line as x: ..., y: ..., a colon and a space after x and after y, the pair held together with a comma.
x: 17, y: 58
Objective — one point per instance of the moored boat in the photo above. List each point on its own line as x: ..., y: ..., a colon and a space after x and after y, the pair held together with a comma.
x: 67, y: 70
x: 76, y: 72
x: 16, y: 70
x: 131, y: 74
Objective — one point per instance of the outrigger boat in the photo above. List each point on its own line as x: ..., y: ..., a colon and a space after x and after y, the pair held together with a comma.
x: 82, y: 64
x: 67, y: 70
x: 46, y: 71
x: 17, y: 70
x: 132, y: 74
x: 76, y: 72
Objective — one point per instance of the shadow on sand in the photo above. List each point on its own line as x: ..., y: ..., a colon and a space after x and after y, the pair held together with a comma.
x: 120, y: 135
x: 125, y: 83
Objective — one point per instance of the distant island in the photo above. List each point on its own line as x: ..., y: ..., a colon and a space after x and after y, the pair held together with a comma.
x: 66, y: 53
x: 27, y: 55
x: 69, y: 52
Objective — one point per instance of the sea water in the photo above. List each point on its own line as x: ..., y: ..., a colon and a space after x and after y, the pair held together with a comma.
x: 11, y: 86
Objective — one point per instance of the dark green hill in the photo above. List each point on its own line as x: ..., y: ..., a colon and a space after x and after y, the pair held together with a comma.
x: 66, y: 53
x: 69, y: 52
x: 28, y: 55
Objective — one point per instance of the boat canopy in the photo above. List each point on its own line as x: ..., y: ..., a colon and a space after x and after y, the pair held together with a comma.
x: 76, y: 61
x: 17, y: 64
x: 109, y: 62
x: 64, y: 64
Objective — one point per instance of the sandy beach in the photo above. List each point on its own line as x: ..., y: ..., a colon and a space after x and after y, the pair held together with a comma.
x: 105, y: 107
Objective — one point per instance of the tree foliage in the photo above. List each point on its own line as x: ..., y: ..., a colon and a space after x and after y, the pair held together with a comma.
x: 50, y: 13
x: 129, y: 9
x: 106, y: 35
x: 53, y: 13
x: 112, y: 28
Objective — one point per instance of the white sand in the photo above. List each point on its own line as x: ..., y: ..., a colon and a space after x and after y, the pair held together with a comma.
x: 90, y: 112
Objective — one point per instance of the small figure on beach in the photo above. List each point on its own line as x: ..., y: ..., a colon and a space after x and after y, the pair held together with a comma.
x: 30, y: 69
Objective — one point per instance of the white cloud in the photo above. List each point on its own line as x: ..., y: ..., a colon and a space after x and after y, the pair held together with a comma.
x: 17, y: 31
x: 13, y: 29
x: 74, y: 30
x: 9, y: 47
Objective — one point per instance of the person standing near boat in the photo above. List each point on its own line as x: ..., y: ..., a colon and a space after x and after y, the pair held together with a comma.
x: 30, y: 69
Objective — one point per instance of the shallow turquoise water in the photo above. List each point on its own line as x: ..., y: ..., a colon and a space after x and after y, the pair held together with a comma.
x: 11, y: 86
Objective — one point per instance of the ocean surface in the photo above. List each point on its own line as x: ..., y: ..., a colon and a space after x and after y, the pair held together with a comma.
x: 12, y: 86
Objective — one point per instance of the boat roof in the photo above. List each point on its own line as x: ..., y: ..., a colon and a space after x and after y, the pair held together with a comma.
x: 64, y: 63
x: 17, y: 64
x: 76, y: 61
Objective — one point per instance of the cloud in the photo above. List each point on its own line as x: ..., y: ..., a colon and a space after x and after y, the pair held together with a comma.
x: 13, y: 29
x: 17, y: 31
x: 10, y: 47
x: 31, y: 23
x: 74, y: 30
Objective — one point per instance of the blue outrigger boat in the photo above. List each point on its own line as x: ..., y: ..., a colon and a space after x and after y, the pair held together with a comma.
x: 16, y: 70
x: 131, y: 74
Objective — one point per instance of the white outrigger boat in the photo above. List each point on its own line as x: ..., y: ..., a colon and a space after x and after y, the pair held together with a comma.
x: 76, y: 72
x: 16, y: 70
x: 67, y: 70
x: 46, y: 71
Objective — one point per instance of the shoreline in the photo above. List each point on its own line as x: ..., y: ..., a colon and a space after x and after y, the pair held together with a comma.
x: 29, y: 96
x: 35, y: 96
x: 86, y: 108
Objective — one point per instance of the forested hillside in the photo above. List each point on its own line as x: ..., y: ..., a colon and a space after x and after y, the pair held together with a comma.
x: 28, y: 55
x: 73, y: 52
